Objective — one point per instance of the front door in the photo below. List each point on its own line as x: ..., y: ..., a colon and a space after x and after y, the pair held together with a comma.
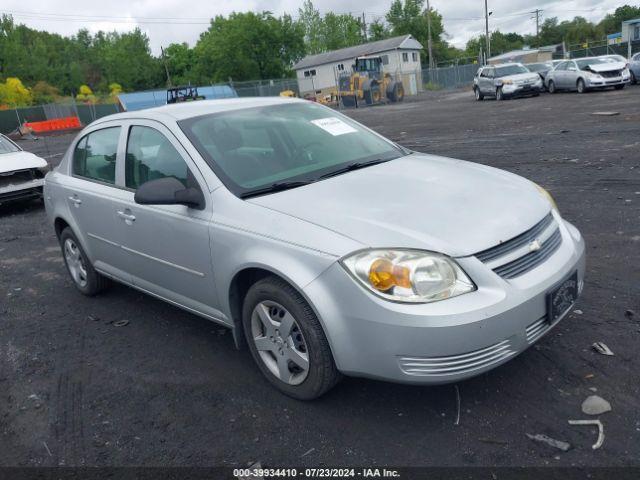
x: 167, y: 246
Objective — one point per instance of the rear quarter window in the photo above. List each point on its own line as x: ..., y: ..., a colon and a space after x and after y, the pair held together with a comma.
x: 94, y: 157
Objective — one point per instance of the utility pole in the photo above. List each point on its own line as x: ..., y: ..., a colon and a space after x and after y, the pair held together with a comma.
x: 537, y: 13
x: 486, y: 29
x: 166, y: 69
x: 364, y: 26
x: 432, y: 63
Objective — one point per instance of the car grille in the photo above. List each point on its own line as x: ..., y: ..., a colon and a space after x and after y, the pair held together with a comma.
x: 457, y: 364
x: 611, y: 73
x: 515, y: 257
x: 537, y: 329
x: 19, y: 176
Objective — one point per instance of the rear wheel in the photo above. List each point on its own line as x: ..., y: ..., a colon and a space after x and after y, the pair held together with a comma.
x: 395, y: 92
x: 349, y: 100
x: 581, y: 86
x: 551, y: 87
x: 287, y: 341
x: 84, y: 276
x: 478, y: 93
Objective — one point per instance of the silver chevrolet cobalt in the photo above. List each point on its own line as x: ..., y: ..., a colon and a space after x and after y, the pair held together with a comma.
x: 326, y: 248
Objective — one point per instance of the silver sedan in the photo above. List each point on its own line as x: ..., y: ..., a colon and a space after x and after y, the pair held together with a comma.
x: 588, y: 73
x: 325, y: 247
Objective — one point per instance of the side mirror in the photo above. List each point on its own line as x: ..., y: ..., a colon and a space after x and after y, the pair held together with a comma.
x: 168, y: 191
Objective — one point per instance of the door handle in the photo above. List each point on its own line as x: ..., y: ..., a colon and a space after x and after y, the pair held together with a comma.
x: 128, y: 217
x: 75, y: 200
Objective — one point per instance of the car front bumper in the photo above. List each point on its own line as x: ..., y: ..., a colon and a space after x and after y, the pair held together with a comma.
x: 607, y: 82
x: 521, y: 90
x: 445, y: 341
x: 21, y: 191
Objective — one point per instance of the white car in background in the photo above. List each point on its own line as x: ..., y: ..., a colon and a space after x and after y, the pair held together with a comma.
x: 21, y: 173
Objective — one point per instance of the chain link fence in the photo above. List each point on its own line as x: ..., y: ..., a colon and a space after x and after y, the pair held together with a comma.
x: 595, y: 49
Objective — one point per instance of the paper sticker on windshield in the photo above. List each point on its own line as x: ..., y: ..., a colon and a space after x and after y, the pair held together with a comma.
x: 334, y: 126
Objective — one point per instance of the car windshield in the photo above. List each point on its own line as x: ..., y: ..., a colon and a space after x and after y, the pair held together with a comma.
x: 252, y: 149
x: 7, y: 146
x: 510, y: 70
x: 583, y: 64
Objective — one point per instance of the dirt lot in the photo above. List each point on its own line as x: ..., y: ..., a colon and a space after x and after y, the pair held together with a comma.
x: 170, y: 388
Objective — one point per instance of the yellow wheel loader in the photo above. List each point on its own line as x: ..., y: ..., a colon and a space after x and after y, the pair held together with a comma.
x: 367, y: 82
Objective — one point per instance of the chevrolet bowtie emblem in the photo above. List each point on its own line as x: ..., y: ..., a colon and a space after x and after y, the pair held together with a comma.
x: 535, y: 245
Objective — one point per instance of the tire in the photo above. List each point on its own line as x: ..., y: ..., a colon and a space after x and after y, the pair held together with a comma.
x: 395, y: 92
x: 551, y: 87
x: 581, y: 86
x: 634, y: 80
x: 269, y: 304
x: 619, y: 87
x: 499, y: 94
x: 478, y: 94
x: 348, y: 101
x: 85, y: 278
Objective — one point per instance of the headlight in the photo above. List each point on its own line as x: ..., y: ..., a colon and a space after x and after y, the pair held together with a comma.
x: 548, y: 196
x: 412, y: 276
x: 507, y: 82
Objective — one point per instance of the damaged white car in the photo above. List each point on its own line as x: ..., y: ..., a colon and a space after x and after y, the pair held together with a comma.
x: 21, y: 173
x: 588, y: 73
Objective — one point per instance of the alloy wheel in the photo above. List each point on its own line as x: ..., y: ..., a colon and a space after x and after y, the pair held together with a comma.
x: 280, y: 342
x: 581, y: 88
x: 75, y: 262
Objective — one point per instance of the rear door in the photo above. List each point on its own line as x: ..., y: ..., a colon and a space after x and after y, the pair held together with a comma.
x: 571, y: 75
x: 167, y: 246
x: 91, y: 193
x: 559, y: 75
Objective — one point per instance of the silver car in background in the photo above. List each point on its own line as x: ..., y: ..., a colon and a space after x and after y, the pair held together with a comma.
x: 634, y: 68
x: 325, y: 247
x: 587, y: 74
x: 21, y: 173
x: 506, y: 80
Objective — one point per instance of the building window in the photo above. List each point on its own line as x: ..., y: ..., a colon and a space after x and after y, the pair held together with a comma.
x: 636, y: 32
x: 414, y: 56
x: 340, y: 67
x: 405, y: 57
x: 310, y: 73
x: 385, y: 59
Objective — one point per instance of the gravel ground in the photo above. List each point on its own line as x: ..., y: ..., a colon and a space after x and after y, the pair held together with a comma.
x: 169, y: 388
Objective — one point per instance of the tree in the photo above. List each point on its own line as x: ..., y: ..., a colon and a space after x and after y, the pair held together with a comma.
x: 378, y: 30
x: 44, y: 93
x: 408, y: 17
x: 85, y: 94
x: 181, y: 62
x: 248, y: 46
x: 311, y: 21
x: 612, y: 22
x: 14, y: 94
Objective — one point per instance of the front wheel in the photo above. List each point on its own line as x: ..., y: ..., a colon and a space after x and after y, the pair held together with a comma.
x: 551, y: 87
x: 581, y: 86
x: 499, y: 94
x: 633, y: 78
x: 478, y: 93
x: 287, y: 341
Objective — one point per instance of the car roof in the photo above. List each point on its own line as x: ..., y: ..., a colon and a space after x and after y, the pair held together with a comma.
x: 180, y: 111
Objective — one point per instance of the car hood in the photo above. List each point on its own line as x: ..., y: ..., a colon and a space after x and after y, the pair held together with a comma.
x: 607, y: 67
x: 418, y: 201
x: 20, y: 161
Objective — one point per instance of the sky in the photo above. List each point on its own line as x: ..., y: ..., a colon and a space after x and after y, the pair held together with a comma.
x: 170, y: 21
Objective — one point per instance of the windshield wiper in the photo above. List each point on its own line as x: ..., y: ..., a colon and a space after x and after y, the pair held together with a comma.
x: 274, y: 187
x: 354, y: 166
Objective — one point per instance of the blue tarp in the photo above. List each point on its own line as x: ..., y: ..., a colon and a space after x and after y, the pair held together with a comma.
x: 155, y: 98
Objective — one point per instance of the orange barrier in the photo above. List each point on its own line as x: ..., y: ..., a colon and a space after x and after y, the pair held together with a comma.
x: 65, y: 123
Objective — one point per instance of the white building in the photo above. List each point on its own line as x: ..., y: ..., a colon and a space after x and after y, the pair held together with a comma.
x: 318, y: 74
x: 631, y: 30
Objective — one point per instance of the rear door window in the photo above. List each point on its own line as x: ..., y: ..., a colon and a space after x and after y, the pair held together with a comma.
x: 94, y: 157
